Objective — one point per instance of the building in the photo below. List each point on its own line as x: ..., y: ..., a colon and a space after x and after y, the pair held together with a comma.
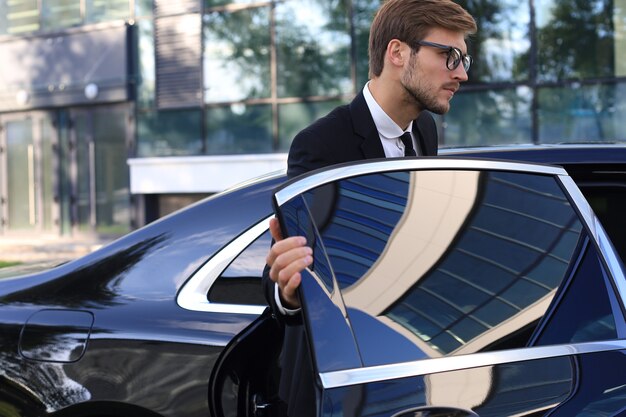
x: 114, y: 113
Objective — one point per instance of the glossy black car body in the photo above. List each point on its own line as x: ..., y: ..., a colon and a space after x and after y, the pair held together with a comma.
x: 138, y: 327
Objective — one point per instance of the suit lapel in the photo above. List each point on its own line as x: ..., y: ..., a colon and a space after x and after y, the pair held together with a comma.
x: 418, y: 132
x: 425, y: 130
x: 364, y: 127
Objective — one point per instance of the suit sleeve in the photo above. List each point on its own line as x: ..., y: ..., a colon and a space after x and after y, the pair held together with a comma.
x: 304, y: 155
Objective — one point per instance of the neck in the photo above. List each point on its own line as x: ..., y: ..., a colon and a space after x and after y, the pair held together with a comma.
x: 402, y: 111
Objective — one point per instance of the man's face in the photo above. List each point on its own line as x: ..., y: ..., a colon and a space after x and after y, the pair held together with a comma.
x: 427, y: 80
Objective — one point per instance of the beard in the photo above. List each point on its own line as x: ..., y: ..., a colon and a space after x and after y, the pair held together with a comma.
x: 420, y: 92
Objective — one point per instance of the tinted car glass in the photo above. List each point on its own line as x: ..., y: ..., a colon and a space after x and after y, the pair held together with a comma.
x: 240, y: 283
x: 450, y: 262
x: 609, y: 204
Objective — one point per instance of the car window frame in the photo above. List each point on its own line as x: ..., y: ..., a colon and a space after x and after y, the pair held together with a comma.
x: 194, y: 293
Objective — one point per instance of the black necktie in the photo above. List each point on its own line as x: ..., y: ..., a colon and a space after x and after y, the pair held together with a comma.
x: 408, y: 144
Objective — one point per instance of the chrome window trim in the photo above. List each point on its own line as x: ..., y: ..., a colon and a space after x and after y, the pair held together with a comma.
x: 341, y: 172
x: 422, y: 367
x: 607, y: 251
x: 193, y: 294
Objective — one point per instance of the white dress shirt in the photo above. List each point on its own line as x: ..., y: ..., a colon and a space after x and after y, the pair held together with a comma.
x: 388, y: 130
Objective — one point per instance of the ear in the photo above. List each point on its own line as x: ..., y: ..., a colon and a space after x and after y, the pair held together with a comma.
x: 397, y: 53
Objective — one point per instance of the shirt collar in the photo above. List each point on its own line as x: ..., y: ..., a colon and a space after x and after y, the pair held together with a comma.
x: 386, y: 127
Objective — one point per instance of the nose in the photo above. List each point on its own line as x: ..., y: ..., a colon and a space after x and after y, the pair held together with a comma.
x: 460, y: 74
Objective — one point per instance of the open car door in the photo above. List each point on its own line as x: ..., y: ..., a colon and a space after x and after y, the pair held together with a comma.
x: 457, y: 287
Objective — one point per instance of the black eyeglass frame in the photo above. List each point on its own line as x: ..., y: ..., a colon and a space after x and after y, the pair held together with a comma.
x: 452, y: 62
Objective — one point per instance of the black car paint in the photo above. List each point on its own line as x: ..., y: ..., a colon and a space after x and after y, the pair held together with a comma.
x: 142, y: 345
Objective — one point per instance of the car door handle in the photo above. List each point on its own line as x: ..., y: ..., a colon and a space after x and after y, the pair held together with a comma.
x: 431, y: 411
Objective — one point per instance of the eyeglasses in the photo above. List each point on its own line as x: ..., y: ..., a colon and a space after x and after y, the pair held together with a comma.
x: 455, y: 56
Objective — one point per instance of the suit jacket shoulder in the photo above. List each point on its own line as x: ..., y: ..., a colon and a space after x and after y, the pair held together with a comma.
x: 348, y: 133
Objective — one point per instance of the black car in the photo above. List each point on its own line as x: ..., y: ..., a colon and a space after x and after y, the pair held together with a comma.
x: 441, y: 286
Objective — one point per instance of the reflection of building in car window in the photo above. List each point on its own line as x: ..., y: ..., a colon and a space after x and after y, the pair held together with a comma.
x: 471, y: 259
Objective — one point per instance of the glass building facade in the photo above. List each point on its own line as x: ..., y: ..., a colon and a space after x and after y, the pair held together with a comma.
x: 545, y: 71
x: 208, y: 78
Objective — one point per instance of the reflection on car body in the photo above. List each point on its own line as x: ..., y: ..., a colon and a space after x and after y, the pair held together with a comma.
x: 481, y: 319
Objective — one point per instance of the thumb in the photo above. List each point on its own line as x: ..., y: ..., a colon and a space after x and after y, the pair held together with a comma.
x: 275, y: 229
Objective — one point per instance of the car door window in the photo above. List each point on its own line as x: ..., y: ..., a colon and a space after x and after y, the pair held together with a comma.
x: 240, y: 283
x: 443, y: 262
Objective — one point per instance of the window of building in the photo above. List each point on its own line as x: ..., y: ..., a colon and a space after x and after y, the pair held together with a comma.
x: 169, y: 133
x: 575, y: 39
x: 237, y: 55
x: 501, y: 46
x: 19, y: 16
x: 498, y: 116
x: 292, y: 117
x: 581, y: 113
x: 312, y: 49
x: 239, y: 129
x: 106, y: 10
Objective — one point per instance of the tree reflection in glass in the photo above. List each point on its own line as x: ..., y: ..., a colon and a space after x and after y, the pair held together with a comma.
x: 236, y: 55
x: 313, y: 48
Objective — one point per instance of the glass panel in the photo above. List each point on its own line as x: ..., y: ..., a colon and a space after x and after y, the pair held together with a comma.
x: 586, y: 113
x: 21, y: 175
x: 609, y: 204
x: 49, y: 175
x: 57, y: 14
x: 501, y: 46
x: 105, y: 10
x: 570, y: 322
x: 169, y: 133
x: 112, y: 172
x: 619, y: 24
x: 363, y: 13
x: 313, y: 48
x: 240, y: 283
x: 575, y: 39
x: 449, y: 262
x: 296, y: 116
x: 236, y: 55
x: 212, y: 3
x: 19, y: 16
x: 238, y: 129
x: 488, y: 118
x: 65, y: 176
x: 146, y: 56
x: 84, y: 155
x: 143, y: 8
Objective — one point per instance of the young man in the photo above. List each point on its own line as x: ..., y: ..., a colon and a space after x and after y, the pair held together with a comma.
x: 418, y: 59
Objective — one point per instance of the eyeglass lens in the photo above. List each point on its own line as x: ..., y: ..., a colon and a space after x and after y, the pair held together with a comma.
x: 455, y: 58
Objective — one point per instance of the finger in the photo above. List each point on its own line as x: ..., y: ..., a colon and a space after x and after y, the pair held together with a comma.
x: 290, y: 264
x: 282, y: 247
x: 275, y: 229
x: 289, y: 293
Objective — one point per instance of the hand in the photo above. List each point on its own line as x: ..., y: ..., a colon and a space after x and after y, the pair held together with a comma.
x: 287, y: 259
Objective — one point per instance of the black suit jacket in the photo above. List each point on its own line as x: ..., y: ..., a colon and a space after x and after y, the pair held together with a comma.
x: 348, y: 133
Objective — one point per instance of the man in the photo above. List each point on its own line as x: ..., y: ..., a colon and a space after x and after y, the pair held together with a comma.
x: 418, y: 59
